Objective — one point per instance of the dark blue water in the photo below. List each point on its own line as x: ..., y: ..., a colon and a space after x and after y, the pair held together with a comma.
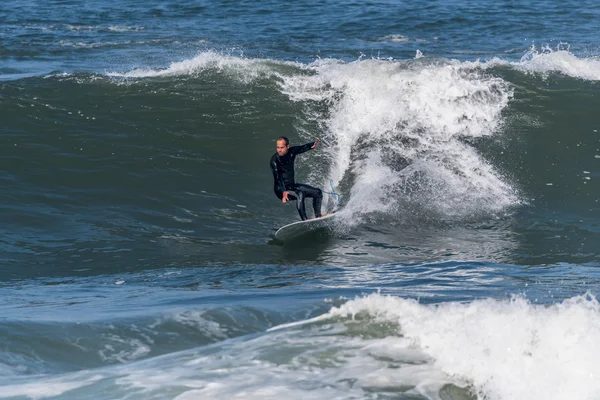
x: 137, y: 251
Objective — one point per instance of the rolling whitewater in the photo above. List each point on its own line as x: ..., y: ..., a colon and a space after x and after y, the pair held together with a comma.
x: 138, y: 258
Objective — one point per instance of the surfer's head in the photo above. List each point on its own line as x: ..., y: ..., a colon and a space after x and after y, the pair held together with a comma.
x: 282, y: 145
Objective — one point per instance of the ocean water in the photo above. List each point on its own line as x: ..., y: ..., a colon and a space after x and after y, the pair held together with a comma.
x: 137, y: 251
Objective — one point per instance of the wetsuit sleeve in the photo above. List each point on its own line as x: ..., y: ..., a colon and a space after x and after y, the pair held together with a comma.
x: 278, y: 180
x: 302, y: 149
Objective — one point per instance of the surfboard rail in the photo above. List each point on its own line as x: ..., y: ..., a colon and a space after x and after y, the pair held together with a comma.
x: 298, y: 228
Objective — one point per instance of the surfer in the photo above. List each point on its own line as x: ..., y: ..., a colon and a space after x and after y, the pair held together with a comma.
x: 285, y: 187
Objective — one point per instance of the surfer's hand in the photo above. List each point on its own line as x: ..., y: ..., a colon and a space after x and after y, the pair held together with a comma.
x: 315, y: 145
x: 285, y: 197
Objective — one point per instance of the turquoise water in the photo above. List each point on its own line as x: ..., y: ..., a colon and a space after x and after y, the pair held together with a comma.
x: 137, y: 256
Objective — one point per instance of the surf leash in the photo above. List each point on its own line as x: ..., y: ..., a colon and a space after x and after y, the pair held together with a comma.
x: 333, y: 194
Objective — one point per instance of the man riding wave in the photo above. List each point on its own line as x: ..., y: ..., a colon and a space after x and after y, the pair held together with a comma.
x: 284, y: 185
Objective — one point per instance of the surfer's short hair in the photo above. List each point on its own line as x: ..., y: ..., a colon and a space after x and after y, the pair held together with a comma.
x: 286, y: 140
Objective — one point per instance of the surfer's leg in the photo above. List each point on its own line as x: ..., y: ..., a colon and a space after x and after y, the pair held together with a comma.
x: 317, y: 203
x: 300, y: 205
x: 315, y: 193
x: 299, y: 197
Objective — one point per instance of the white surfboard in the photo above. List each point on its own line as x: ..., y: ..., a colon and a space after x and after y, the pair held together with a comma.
x: 298, y: 228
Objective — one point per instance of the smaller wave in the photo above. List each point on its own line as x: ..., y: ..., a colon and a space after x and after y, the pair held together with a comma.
x: 547, y: 60
x: 243, y: 69
x: 504, y: 349
x: 494, y: 349
x: 384, y: 345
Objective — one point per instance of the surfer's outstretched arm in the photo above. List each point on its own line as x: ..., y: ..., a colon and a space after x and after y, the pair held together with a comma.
x: 304, y: 147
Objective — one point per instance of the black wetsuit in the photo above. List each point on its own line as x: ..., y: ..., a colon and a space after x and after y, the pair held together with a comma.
x: 283, y: 176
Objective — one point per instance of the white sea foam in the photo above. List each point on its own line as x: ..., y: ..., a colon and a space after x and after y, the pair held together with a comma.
x: 291, y: 365
x: 240, y: 68
x: 119, y: 349
x: 125, y: 28
x: 43, y: 388
x: 384, y: 114
x: 93, y: 45
x: 80, y: 27
x: 546, y: 60
x: 197, y: 320
x: 395, y: 38
x: 504, y: 349
x: 498, y: 349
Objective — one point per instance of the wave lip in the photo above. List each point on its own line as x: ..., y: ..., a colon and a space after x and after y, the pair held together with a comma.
x: 546, y: 60
x: 563, y: 62
x: 243, y: 69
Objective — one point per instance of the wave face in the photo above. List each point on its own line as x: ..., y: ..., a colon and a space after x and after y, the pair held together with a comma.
x: 177, y: 155
x: 137, y: 258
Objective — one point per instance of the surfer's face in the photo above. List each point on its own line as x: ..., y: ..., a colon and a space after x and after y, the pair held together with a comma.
x: 282, y: 148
